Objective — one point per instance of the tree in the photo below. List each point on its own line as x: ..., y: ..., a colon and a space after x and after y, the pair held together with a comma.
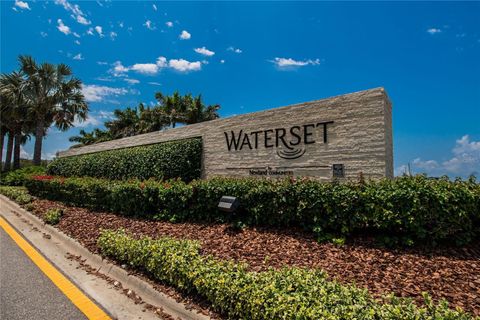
x: 55, y: 97
x: 150, y: 120
x: 170, y: 111
x: 173, y: 107
x: 15, y: 115
x: 85, y: 138
x: 198, y: 112
x: 125, y: 124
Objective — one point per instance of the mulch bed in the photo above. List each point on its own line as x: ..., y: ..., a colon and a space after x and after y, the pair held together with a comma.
x: 445, y: 272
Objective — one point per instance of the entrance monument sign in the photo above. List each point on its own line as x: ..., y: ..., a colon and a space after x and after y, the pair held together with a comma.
x: 337, y: 137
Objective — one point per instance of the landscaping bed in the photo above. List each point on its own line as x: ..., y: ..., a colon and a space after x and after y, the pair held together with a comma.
x: 444, y: 272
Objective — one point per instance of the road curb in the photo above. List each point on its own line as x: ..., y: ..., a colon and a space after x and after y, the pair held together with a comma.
x: 141, y: 287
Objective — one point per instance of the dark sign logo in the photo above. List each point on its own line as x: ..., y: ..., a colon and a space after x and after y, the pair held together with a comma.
x: 289, y: 146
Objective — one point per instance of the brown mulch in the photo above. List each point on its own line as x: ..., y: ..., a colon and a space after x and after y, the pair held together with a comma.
x: 445, y: 272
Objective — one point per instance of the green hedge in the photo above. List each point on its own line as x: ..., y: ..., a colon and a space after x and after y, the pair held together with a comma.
x: 18, y: 177
x: 175, y: 159
x: 410, y: 209
x: 288, y: 293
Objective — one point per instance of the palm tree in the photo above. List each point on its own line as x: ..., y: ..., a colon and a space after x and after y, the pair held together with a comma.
x: 150, y: 119
x: 173, y: 107
x: 4, y: 109
x: 125, y: 124
x: 11, y: 88
x: 198, y: 112
x: 55, y: 97
x: 85, y: 138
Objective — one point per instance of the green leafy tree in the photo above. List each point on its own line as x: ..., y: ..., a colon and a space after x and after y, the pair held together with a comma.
x: 87, y: 138
x: 55, y: 97
x: 197, y: 111
x: 16, y: 114
x: 170, y: 111
x: 173, y: 107
x: 125, y: 123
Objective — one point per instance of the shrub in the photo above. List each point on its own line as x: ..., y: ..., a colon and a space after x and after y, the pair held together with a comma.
x: 407, y: 209
x: 175, y: 159
x: 17, y: 194
x: 53, y: 216
x: 18, y: 177
x: 288, y: 293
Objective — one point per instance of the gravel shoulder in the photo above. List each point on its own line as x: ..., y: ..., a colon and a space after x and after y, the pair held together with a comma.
x: 447, y: 272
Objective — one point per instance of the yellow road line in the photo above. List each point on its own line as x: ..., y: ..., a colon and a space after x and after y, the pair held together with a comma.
x: 78, y: 298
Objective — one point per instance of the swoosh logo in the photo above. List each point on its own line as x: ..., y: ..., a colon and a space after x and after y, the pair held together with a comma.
x: 290, y: 155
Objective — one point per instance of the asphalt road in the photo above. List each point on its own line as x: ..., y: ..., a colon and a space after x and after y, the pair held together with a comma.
x: 25, y: 292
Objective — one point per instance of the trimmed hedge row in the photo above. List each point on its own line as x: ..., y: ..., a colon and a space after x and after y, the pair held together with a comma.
x: 288, y: 293
x: 410, y: 209
x: 175, y: 159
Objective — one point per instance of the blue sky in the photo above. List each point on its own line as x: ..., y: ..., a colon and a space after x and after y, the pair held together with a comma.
x: 253, y: 56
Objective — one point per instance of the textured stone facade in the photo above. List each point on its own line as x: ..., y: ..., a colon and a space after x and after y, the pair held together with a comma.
x: 306, y: 139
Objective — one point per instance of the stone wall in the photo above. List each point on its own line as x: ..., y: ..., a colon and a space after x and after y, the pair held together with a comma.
x: 289, y: 140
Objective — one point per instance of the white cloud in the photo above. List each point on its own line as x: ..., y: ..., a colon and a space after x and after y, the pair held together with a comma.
x: 91, y: 121
x: 118, y: 69
x: 154, y: 83
x: 149, y: 25
x: 289, y: 63
x: 150, y: 69
x: 204, y: 51
x: 78, y: 57
x: 90, y: 31
x: 43, y: 34
x: 154, y: 7
x: 95, y: 118
x: 99, y: 30
x: 184, y: 65
x: 77, y: 42
x: 185, y: 35
x: 102, y: 63
x: 105, y: 115
x: 169, y: 24
x: 465, y: 160
x: 96, y: 93
x: 131, y: 81
x: 434, y: 30
x: 76, y: 35
x: 74, y: 9
x: 113, y: 35
x: 24, y: 154
x: 162, y: 62
x: 145, y: 68
x: 236, y: 50
x: 63, y: 28
x: 82, y: 20
x: 222, y: 61
x: 22, y: 4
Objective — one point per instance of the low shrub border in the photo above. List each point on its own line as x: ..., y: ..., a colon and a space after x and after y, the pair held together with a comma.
x: 17, y: 194
x: 288, y: 293
x: 175, y: 159
x: 410, y: 209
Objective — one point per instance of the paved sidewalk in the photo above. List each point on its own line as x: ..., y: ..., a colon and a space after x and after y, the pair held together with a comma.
x: 25, y: 292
